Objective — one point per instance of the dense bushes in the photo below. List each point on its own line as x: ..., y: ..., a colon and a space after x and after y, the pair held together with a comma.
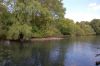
x: 17, y: 28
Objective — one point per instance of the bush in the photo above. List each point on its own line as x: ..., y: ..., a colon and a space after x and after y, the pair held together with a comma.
x: 17, y: 28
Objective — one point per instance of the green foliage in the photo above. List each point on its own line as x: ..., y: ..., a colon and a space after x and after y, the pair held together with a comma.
x: 66, y: 26
x: 40, y: 18
x: 5, y: 21
x: 95, y: 23
x: 17, y: 28
x: 78, y: 31
x: 54, y: 6
x: 88, y: 30
x: 51, y: 31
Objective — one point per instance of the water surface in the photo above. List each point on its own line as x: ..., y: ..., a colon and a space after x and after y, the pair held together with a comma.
x: 77, y: 51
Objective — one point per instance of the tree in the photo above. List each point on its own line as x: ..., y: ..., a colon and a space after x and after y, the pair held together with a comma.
x: 36, y: 15
x: 16, y: 29
x: 5, y: 20
x: 88, y: 30
x: 66, y: 26
x: 78, y: 31
x: 95, y: 23
x: 54, y: 6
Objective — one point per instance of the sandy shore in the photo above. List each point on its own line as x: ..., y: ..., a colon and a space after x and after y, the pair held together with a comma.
x: 50, y: 38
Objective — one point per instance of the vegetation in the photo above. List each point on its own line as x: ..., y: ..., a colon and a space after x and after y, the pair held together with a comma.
x: 86, y: 27
x: 95, y: 23
x: 39, y: 18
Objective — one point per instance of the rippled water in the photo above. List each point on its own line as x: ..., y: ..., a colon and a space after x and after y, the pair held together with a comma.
x: 79, y: 51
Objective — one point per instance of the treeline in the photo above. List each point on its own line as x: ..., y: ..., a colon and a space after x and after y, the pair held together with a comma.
x: 40, y: 18
x: 83, y: 28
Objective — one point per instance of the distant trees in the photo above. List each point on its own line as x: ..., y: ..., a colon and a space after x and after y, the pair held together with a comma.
x: 68, y: 27
x: 86, y: 27
x: 95, y: 23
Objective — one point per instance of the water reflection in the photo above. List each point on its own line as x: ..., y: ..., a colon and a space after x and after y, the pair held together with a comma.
x: 5, y: 55
x: 68, y: 52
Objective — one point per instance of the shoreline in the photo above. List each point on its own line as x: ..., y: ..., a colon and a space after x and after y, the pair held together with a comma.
x: 49, y: 38
x: 35, y: 39
x: 42, y: 38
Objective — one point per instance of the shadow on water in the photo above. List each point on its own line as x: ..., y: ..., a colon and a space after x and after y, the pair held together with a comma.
x: 77, y: 51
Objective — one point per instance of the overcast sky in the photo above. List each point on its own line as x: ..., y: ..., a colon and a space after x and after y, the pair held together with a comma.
x: 82, y: 10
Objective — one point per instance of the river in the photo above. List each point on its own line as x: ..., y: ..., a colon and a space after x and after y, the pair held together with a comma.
x: 75, y: 51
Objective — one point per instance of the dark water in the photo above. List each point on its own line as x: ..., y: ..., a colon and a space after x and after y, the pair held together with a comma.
x: 79, y: 51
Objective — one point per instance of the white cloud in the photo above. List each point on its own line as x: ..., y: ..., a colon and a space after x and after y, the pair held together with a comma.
x: 94, y: 6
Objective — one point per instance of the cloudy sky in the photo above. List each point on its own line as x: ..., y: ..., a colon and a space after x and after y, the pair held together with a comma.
x: 82, y: 10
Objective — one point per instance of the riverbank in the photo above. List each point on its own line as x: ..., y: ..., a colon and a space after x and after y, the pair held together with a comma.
x: 49, y: 38
x: 45, y: 38
x: 35, y: 39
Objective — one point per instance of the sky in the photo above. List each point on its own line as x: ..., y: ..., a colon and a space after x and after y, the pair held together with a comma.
x: 82, y: 10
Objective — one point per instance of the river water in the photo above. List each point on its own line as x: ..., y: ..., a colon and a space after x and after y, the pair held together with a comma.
x: 76, y: 51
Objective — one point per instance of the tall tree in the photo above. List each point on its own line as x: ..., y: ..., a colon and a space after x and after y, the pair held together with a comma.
x: 54, y: 6
x: 30, y: 17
